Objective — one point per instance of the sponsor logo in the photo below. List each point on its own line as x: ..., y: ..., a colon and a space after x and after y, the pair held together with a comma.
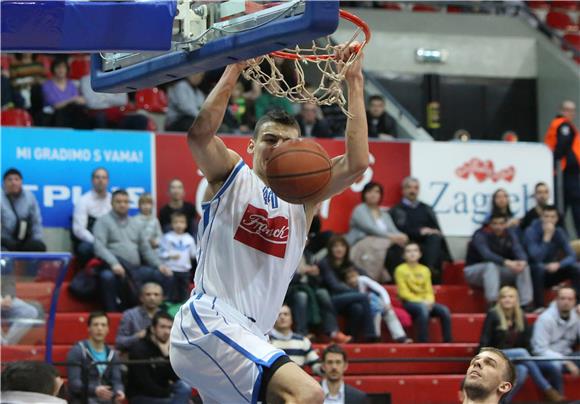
x: 263, y: 233
x: 484, y: 170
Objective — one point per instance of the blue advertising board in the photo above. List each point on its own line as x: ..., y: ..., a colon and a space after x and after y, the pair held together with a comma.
x: 56, y: 165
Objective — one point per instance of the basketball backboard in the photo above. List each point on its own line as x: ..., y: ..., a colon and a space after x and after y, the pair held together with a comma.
x: 211, y: 34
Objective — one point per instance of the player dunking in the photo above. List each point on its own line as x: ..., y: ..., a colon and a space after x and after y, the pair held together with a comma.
x: 250, y: 246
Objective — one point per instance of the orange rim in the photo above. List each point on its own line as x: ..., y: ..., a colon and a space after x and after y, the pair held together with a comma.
x: 359, y: 22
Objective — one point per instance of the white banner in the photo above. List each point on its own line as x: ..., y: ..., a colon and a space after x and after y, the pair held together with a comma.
x: 458, y: 179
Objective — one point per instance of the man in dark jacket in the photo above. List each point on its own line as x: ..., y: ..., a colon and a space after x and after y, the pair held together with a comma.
x: 542, y: 197
x: 418, y: 221
x: 496, y: 258
x: 89, y: 382
x: 381, y: 125
x: 311, y: 125
x: 155, y: 383
x: 552, y: 258
x: 334, y: 364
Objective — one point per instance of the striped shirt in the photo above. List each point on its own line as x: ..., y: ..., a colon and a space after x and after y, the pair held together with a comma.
x: 297, y: 347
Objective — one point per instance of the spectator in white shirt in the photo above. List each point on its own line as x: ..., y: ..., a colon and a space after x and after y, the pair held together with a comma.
x: 380, y: 304
x: 178, y: 248
x: 90, y: 206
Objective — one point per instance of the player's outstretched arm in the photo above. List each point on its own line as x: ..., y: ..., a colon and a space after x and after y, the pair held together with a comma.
x: 348, y: 167
x: 210, y: 153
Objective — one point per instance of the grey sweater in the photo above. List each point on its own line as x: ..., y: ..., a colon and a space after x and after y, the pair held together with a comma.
x: 554, y: 336
x: 27, y: 208
x: 124, y: 238
x: 363, y: 224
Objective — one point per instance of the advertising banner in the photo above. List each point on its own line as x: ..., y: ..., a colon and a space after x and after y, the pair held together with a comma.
x: 56, y: 165
x: 389, y: 164
x: 458, y: 179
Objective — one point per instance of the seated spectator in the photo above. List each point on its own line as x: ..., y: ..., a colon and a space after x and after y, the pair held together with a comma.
x: 552, y: 260
x: 311, y: 122
x: 178, y: 248
x: 155, y: 383
x: 372, y: 233
x: 105, y: 109
x: 381, y: 307
x: 296, y: 346
x: 150, y: 225
x: 317, y: 238
x: 507, y: 328
x: 17, y: 313
x: 177, y: 203
x: 185, y: 99
x: 25, y: 73
x: 120, y: 242
x: 542, y: 197
x: 241, y: 109
x: 418, y: 221
x: 416, y: 291
x: 353, y: 304
x: 380, y: 124
x: 89, y: 207
x: 336, y: 119
x: 311, y: 303
x: 90, y: 383
x: 500, y: 204
x: 62, y: 96
x: 30, y: 382
x: 11, y: 98
x: 334, y: 365
x: 21, y: 220
x: 495, y: 258
x: 135, y: 321
x: 555, y: 334
x: 490, y: 376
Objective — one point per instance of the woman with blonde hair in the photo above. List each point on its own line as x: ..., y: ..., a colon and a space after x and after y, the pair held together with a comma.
x: 506, y: 328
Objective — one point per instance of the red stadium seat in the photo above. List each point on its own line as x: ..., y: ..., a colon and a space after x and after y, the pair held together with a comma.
x: 151, y: 100
x: 564, y: 5
x: 573, y: 40
x: 537, y: 4
x: 15, y: 117
x: 79, y: 68
x: 560, y: 21
x: 5, y: 61
x: 425, y: 8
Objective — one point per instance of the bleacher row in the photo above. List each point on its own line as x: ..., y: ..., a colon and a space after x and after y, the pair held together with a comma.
x: 407, y: 381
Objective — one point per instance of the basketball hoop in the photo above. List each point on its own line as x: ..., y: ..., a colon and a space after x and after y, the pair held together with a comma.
x: 265, y: 71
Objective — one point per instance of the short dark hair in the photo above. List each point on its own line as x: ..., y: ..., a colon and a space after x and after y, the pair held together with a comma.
x: 540, y: 184
x: 277, y: 116
x: 96, y: 314
x: 334, y: 348
x: 119, y: 192
x: 11, y: 171
x: 99, y: 169
x: 58, y: 61
x: 160, y: 315
x: 510, y: 374
x: 376, y: 97
x: 499, y: 215
x: 412, y: 243
x: 550, y: 208
x: 369, y: 187
x: 31, y: 376
x: 176, y: 215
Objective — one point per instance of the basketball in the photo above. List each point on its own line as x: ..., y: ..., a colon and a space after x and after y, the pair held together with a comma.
x: 298, y: 170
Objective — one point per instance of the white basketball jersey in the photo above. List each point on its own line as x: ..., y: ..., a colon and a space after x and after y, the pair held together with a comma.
x: 250, y: 245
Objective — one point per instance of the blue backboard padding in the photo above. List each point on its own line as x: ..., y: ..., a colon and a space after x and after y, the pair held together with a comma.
x: 87, y: 26
x: 319, y: 19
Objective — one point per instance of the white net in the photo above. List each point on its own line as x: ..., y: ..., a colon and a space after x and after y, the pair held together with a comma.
x: 326, y: 57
